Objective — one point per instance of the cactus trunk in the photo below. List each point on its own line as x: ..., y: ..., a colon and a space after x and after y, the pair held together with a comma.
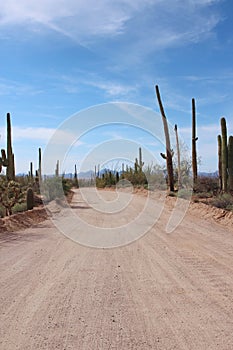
x: 178, y: 157
x: 57, y: 169
x: 220, y: 161
x: 10, y: 170
x: 75, y: 176
x: 224, y: 154
x: 39, y: 168
x: 194, y: 140
x: 141, y: 163
x: 169, y: 152
x: 30, y: 199
x: 230, y: 163
x: 31, y: 170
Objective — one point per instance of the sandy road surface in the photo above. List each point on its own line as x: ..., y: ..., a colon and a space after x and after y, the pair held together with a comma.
x: 164, y: 291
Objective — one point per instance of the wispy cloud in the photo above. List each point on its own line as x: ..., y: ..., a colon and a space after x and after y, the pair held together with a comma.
x: 30, y: 133
x: 111, y: 88
x: 164, y: 24
x: 37, y: 134
x: 9, y: 87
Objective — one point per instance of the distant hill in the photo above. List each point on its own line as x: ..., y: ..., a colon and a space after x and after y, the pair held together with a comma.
x: 212, y: 174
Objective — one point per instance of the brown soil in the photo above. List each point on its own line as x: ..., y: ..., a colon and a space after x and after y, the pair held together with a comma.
x: 164, y: 291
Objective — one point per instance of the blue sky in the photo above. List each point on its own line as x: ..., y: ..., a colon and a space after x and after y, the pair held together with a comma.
x: 59, y: 57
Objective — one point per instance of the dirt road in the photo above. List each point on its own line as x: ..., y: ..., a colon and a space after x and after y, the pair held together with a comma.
x: 164, y: 291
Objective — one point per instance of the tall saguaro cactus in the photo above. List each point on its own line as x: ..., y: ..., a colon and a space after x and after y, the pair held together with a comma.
x: 220, y: 161
x: 31, y: 170
x: 141, y: 163
x: 230, y: 162
x: 57, y: 169
x: 75, y: 176
x: 10, y: 156
x: 178, y: 156
x: 39, y: 167
x: 138, y: 162
x: 194, y: 140
x: 224, y: 154
x: 169, y: 152
x: 7, y: 159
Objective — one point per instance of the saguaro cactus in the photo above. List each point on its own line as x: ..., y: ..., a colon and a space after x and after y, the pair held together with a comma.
x: 178, y: 156
x: 30, y: 199
x: 57, y: 169
x: 39, y: 167
x: 224, y: 154
x: 141, y: 163
x: 10, y: 156
x: 7, y: 160
x: 230, y: 163
x: 169, y: 152
x: 220, y: 161
x: 75, y: 176
x: 194, y: 140
x: 31, y: 170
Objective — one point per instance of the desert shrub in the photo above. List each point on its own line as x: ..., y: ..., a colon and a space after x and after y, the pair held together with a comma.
x: 184, y: 193
x: 223, y: 201
x: 207, y: 184
x: 67, y: 184
x: 203, y: 195
x: 100, y: 182
x: 156, y: 177
x: 19, y: 207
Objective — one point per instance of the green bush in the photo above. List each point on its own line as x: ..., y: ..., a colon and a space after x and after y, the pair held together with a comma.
x: 184, y: 193
x: 19, y: 207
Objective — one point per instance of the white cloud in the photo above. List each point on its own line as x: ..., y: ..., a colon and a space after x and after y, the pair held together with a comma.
x: 43, y: 135
x: 152, y: 23
x: 29, y: 133
x: 112, y: 89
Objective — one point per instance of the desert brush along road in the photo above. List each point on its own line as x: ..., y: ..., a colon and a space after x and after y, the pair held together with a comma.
x: 161, y: 291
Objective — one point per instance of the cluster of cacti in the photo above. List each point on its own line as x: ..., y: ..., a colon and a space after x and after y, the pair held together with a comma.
x: 169, y: 151
x: 225, y: 159
x: 11, y: 193
x: 135, y: 175
x: 7, y: 158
